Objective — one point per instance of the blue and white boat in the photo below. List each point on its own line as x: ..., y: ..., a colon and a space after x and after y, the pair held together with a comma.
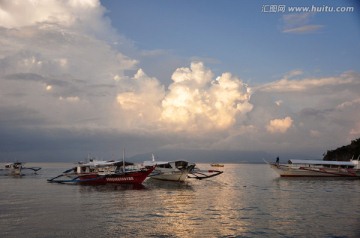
x: 17, y: 169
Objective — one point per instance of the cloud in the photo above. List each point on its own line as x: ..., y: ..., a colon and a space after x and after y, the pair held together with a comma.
x: 315, y: 133
x: 57, y: 61
x: 299, y: 23
x: 279, y: 125
x: 303, y: 29
x: 70, y: 99
x: 289, y: 85
x: 139, y: 106
x: 83, y: 14
x: 320, y: 107
x: 194, y: 101
x: 349, y: 104
x: 68, y: 79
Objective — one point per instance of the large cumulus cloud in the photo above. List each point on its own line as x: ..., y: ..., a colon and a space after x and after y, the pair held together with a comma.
x: 194, y: 102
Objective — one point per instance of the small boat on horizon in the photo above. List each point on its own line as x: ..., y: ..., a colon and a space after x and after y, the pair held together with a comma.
x: 217, y: 165
x: 317, y: 168
x: 18, y: 169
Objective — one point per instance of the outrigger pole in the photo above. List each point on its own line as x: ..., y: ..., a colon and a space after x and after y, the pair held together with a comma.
x: 74, y: 180
x: 200, y: 174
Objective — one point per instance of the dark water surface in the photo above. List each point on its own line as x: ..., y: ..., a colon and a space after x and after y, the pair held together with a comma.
x: 247, y: 200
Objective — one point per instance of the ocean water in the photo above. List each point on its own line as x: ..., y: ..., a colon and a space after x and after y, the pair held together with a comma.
x: 247, y: 200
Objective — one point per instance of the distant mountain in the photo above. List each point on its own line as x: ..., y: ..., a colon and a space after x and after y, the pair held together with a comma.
x: 344, y: 153
x: 217, y: 156
x: 206, y: 156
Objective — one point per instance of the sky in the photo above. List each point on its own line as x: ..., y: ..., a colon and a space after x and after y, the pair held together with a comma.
x: 224, y: 80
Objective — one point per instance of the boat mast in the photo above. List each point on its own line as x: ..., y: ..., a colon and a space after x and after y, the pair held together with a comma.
x: 124, y: 160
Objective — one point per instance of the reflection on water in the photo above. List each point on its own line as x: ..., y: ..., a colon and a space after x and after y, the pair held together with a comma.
x: 170, y: 185
x: 245, y: 201
x: 109, y: 187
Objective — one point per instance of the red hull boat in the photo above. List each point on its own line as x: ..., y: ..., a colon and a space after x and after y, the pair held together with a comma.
x: 134, y: 177
x: 103, y: 172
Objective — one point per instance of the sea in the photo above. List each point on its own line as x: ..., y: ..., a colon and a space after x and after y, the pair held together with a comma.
x: 247, y: 200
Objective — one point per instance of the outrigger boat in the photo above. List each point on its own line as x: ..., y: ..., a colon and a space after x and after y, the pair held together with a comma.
x: 98, y: 172
x: 17, y: 169
x: 178, y: 170
x: 317, y: 168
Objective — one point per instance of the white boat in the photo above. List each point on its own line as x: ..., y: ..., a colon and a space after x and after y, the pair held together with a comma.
x: 317, y: 168
x: 17, y: 168
x: 170, y: 171
x: 178, y: 170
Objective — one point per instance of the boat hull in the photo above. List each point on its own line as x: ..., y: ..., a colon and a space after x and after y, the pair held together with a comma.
x: 129, y: 177
x: 10, y: 172
x: 172, y: 174
x: 179, y: 176
x: 288, y: 171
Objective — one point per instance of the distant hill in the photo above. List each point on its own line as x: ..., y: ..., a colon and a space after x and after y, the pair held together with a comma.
x: 218, y: 156
x: 206, y: 156
x: 344, y: 153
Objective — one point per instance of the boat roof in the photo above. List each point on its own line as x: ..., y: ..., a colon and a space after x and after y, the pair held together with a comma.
x: 151, y: 163
x: 97, y: 163
x: 298, y: 161
x: 17, y: 162
x: 100, y: 163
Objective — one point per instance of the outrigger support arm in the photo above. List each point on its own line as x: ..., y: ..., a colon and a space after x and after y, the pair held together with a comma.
x: 35, y: 169
x: 200, y: 174
x: 74, y: 180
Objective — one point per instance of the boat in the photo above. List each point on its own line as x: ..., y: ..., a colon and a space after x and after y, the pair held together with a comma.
x: 317, y: 168
x: 217, y: 165
x: 170, y: 171
x: 18, y: 169
x: 178, y: 170
x: 97, y: 172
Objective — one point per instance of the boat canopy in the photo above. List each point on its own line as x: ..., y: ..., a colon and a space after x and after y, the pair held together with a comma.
x: 322, y: 162
x: 152, y: 163
x: 101, y: 163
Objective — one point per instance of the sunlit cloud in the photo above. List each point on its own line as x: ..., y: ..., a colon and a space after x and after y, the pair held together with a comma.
x: 48, y: 87
x: 140, y: 104
x: 66, y: 13
x: 279, y: 125
x: 195, y: 101
x: 292, y: 85
x: 278, y: 102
